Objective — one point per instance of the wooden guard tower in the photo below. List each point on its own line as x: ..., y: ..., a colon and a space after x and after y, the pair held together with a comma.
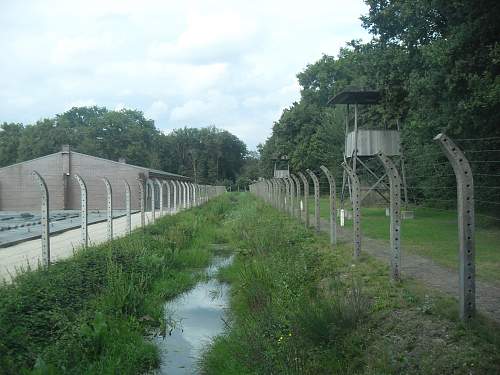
x: 281, y: 166
x: 364, y: 142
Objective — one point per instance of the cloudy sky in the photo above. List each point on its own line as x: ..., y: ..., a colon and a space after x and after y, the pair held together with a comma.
x: 231, y: 64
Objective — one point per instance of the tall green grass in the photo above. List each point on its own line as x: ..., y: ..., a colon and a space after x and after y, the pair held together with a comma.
x: 90, y: 314
x: 433, y: 233
x: 298, y: 306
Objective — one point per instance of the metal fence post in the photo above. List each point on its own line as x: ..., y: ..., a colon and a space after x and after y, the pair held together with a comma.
x: 333, y: 204
x: 128, y: 219
x: 306, y: 197
x: 395, y: 208
x: 356, y: 211
x: 109, y: 211
x: 316, y: 199
x: 466, y: 225
x: 84, y: 233
x: 142, y: 201
x: 44, y: 219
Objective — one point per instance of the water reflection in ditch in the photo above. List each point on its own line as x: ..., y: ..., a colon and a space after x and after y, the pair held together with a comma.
x: 198, y: 317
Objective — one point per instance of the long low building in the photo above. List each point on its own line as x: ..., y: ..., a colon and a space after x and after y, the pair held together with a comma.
x: 20, y: 192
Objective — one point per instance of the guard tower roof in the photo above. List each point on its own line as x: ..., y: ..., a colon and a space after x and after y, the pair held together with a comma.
x: 356, y: 96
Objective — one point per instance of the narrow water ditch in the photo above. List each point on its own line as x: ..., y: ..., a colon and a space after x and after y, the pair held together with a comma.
x: 195, y: 317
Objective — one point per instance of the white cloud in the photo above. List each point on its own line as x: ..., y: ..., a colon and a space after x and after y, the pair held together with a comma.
x: 190, y: 63
x: 156, y: 110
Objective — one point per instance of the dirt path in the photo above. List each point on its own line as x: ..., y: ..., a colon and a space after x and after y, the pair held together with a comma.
x: 428, y: 272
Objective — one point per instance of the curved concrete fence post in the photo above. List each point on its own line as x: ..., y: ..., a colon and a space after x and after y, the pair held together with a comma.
x: 466, y: 225
x: 282, y: 194
x: 356, y: 209
x: 267, y: 190
x: 292, y: 195
x: 160, y: 195
x: 166, y: 183
x: 151, y: 185
x: 286, y: 195
x: 279, y: 196
x: 142, y: 201
x: 175, y: 194
x: 190, y: 194
x: 273, y: 191
x: 298, y: 193
x: 182, y: 196
x: 84, y: 232
x: 179, y: 195
x: 128, y: 219
x: 395, y: 214
x: 272, y: 196
x: 195, y: 195
x: 109, y: 208
x: 276, y: 193
x: 306, y: 197
x: 185, y: 203
x: 45, y: 235
x: 333, y: 202
x: 317, y: 219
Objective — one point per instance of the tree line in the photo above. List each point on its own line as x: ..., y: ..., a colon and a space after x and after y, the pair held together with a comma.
x: 207, y: 155
x: 436, y: 64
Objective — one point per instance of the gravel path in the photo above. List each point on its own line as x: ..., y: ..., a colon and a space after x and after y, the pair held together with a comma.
x: 427, y: 271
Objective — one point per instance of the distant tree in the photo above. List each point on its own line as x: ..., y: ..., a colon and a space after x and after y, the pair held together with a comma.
x: 208, y: 155
x: 10, y: 133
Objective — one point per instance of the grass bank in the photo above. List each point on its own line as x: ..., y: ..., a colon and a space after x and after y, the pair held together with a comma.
x: 90, y: 314
x: 433, y: 234
x: 300, y: 307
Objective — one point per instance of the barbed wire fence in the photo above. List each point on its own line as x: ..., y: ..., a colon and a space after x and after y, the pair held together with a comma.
x: 460, y: 176
x: 45, y: 243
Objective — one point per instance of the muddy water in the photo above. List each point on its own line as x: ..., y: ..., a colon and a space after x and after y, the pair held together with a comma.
x: 197, y: 316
